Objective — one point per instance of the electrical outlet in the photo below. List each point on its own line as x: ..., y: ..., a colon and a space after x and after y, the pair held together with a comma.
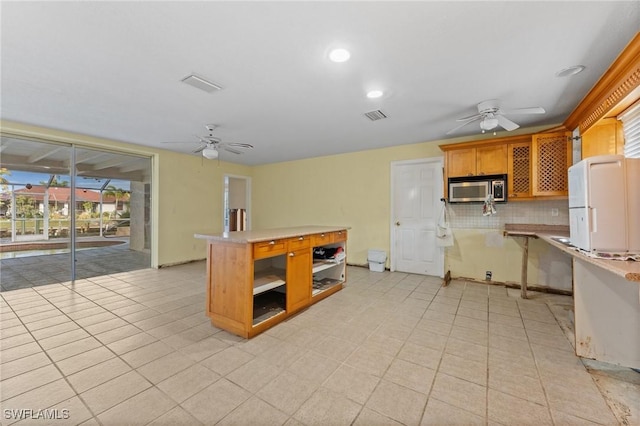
x: 487, y: 275
x: 554, y: 212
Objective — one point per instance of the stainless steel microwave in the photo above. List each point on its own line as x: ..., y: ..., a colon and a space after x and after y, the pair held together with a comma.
x: 472, y: 189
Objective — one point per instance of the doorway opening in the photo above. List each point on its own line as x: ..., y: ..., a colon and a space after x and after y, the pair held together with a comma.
x: 237, y: 203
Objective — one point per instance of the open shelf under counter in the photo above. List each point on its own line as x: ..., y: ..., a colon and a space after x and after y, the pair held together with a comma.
x: 268, y: 280
x: 321, y: 265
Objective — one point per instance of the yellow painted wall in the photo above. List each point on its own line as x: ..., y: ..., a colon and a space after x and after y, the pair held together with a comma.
x: 349, y: 189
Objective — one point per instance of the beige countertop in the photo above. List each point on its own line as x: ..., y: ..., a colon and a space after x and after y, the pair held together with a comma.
x: 269, y: 234
x: 627, y: 269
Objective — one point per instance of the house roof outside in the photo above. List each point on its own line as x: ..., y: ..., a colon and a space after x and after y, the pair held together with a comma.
x: 62, y: 194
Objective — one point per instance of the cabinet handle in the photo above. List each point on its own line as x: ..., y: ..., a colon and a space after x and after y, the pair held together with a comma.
x: 300, y: 238
x: 272, y: 242
x: 322, y: 235
x: 481, y: 173
x: 470, y: 174
x: 291, y: 254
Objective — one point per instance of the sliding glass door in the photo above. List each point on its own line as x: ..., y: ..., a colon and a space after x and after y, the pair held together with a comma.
x: 72, y: 211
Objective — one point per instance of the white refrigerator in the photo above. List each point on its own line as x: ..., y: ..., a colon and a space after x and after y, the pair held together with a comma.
x: 604, y: 205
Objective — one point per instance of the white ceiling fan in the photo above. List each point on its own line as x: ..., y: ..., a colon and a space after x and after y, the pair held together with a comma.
x: 491, y: 116
x: 210, y: 145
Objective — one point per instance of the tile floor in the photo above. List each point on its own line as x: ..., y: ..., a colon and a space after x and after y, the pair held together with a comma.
x: 390, y: 349
x: 19, y: 272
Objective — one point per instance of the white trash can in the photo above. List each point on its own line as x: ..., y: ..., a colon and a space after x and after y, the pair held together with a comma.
x: 377, y: 259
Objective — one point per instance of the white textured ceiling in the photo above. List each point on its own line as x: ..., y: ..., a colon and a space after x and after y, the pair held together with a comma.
x: 113, y: 69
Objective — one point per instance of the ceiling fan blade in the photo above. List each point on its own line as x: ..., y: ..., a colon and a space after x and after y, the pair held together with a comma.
x: 532, y: 110
x: 469, y: 120
x: 506, y: 124
x: 200, y: 149
x: 471, y: 117
x: 235, y: 151
x: 240, y: 145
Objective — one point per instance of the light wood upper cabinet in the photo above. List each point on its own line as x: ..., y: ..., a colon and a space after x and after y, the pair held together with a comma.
x: 491, y: 160
x: 519, y: 169
x: 482, y: 160
x: 551, y: 157
x: 461, y: 162
x: 603, y: 138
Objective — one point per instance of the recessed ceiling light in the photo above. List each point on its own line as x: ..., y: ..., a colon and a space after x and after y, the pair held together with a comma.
x: 576, y: 69
x: 339, y: 55
x: 372, y: 94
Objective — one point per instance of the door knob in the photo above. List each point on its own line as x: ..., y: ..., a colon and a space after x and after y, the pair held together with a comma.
x: 398, y: 223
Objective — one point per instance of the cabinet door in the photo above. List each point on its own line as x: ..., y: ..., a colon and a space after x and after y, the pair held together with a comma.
x: 551, y: 158
x: 604, y: 138
x: 519, y: 170
x: 491, y: 160
x: 298, y: 279
x: 461, y: 162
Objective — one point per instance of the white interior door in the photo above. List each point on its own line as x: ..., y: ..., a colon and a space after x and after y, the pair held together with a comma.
x: 416, y: 188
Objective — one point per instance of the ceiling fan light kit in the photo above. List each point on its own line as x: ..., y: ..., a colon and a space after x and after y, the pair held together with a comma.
x: 210, y: 153
x: 491, y: 116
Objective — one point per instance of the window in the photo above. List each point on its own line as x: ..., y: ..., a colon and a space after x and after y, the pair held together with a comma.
x: 631, y: 125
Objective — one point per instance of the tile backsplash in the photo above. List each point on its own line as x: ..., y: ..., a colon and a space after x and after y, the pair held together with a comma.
x: 538, y: 212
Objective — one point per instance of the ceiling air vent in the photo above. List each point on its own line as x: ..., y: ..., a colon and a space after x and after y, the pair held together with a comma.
x: 375, y: 115
x: 201, y: 83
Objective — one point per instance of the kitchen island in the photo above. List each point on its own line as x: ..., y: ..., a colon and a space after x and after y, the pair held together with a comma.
x: 606, y: 297
x: 256, y: 279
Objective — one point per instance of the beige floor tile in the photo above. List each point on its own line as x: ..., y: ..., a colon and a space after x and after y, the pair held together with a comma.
x: 440, y: 413
x: 88, y: 313
x: 507, y: 344
x: 186, y: 337
x: 103, y: 326
x: 116, y: 334
x: 28, y: 381
x: 327, y: 408
x: 467, y: 350
x: 188, y: 382
x: 254, y: 375
x: 12, y: 331
x: 70, y: 349
x: 460, y: 393
x: 588, y: 403
x: 507, y: 331
x: 47, y: 322
x: 131, y: 343
x: 512, y: 382
x: 333, y: 347
x: 162, y: 368
x: 474, y: 313
x: 98, y: 374
x: 564, y: 419
x: 508, y: 409
x: 141, y: 356
x: 62, y: 339
x: 287, y: 392
x: 213, y: 403
x: 169, y: 329
x: 433, y: 315
x: 254, y: 411
x: 420, y: 355
x: 54, y: 330
x: 139, y: 409
x: 464, y: 368
x: 18, y: 352
x: 479, y: 337
x: 227, y: 360
x: 384, y: 343
x: 369, y: 417
x: 177, y: 416
x: 281, y: 356
x: 397, y: 402
x: 84, y: 360
x: 204, y: 348
x: 90, y: 320
x: 410, y: 375
x: 370, y: 361
x: 472, y: 323
x: 41, y: 397
x: 23, y: 365
x: 20, y: 339
x: 352, y: 383
x: 115, y: 391
x: 314, y: 367
x: 429, y: 339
